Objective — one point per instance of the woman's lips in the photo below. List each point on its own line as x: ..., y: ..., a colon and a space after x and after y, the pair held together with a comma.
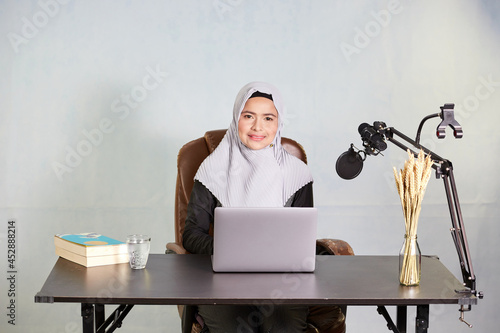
x: 257, y: 137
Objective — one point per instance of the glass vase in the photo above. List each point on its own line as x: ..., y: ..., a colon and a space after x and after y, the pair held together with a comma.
x: 410, y: 260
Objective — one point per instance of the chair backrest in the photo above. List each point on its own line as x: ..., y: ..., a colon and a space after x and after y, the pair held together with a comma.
x: 188, y: 161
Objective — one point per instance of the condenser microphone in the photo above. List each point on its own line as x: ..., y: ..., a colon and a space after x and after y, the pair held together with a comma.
x: 371, y: 138
x: 350, y: 164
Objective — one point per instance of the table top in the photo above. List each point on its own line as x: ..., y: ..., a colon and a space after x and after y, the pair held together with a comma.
x: 172, y: 279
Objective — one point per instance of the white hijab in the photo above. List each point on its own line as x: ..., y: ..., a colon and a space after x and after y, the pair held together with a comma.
x: 241, y: 177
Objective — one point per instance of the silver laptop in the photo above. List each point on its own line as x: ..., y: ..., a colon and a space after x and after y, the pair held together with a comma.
x: 279, y: 239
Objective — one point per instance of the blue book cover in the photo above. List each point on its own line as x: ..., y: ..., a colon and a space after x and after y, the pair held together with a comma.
x: 90, y: 239
x: 90, y: 244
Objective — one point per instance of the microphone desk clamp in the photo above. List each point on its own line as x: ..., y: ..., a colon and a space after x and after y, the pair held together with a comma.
x: 444, y: 170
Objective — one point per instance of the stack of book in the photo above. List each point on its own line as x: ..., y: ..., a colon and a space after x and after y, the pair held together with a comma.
x: 91, y: 249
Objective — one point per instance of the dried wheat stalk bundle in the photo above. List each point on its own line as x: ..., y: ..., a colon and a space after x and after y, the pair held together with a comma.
x: 411, y: 183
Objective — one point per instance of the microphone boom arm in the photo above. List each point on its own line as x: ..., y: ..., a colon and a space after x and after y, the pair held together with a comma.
x: 444, y: 169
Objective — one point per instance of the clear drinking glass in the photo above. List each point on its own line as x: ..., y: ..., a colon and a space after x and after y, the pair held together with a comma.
x: 138, y: 250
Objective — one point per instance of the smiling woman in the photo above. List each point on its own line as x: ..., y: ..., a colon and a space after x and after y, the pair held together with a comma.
x: 250, y: 168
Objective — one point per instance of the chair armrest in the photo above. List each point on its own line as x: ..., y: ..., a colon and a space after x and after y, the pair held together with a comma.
x: 336, y: 247
x: 175, y: 248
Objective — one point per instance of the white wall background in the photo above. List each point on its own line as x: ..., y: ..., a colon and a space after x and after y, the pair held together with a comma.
x: 71, y: 68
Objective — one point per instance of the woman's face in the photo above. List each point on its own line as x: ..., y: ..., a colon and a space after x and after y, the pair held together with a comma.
x: 258, y: 123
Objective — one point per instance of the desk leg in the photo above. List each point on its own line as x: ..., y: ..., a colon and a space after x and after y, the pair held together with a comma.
x: 422, y: 320
x: 401, y: 316
x: 88, y: 317
x: 99, y: 315
x: 390, y: 324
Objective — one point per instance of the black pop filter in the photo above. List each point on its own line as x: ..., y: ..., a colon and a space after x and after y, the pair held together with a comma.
x: 349, y: 164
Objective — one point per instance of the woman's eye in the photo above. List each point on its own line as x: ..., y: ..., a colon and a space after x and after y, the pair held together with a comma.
x: 269, y: 119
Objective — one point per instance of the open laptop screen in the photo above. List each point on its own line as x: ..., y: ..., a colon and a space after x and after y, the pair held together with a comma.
x: 281, y: 239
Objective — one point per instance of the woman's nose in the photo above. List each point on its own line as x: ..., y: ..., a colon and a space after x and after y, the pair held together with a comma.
x: 257, y: 124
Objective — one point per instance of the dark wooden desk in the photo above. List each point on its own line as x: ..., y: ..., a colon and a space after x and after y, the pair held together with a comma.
x: 188, y: 279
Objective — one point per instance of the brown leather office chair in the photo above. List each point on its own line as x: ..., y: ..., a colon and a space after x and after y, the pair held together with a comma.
x: 328, y: 319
